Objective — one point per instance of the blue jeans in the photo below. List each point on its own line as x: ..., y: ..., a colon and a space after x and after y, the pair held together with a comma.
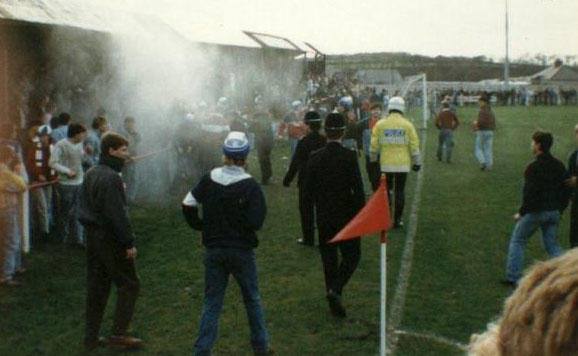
x: 219, y: 264
x: 446, y: 144
x: 68, y: 225
x: 11, y: 243
x: 547, y: 221
x: 484, y: 147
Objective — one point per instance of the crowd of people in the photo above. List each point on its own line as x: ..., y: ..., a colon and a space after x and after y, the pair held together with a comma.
x: 62, y: 181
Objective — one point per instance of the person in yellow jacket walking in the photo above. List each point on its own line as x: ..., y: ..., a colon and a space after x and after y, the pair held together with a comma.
x: 395, y: 143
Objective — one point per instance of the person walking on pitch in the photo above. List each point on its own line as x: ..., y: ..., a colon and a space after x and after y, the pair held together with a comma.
x: 308, y: 144
x: 573, y: 184
x: 334, y: 182
x: 447, y: 122
x: 394, y: 139
x: 485, y: 126
x: 545, y: 197
x: 233, y: 207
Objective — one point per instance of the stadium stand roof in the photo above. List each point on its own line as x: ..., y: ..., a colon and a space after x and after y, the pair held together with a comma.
x: 102, y: 19
x: 212, y: 34
x: 70, y: 14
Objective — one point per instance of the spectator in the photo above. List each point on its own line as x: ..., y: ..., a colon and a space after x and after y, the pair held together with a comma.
x: 67, y: 160
x: 110, y: 246
x: 545, y: 197
x: 447, y: 122
x: 233, y: 210
x: 540, y: 316
x: 130, y: 172
x: 11, y: 186
x: 60, y: 132
x: 37, y: 165
x: 485, y: 126
x: 92, y: 142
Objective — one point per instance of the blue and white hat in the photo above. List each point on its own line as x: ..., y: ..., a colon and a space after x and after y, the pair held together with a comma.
x: 236, y: 145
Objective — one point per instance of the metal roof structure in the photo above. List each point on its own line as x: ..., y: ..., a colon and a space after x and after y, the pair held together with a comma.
x: 272, y: 41
x: 101, y: 19
x: 212, y: 34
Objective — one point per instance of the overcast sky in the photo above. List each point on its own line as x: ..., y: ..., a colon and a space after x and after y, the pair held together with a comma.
x: 430, y: 27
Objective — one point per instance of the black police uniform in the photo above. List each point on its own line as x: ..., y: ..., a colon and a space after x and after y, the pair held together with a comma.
x: 310, y: 143
x: 334, y: 181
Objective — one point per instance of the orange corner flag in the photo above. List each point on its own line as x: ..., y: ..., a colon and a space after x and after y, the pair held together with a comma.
x: 374, y: 217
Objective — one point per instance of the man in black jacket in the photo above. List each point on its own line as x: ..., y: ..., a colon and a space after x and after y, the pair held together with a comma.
x: 334, y: 181
x: 545, y: 198
x: 110, y: 245
x: 573, y: 184
x: 233, y: 210
x: 310, y: 143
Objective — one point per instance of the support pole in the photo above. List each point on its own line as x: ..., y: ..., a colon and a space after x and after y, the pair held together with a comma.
x: 424, y: 101
x: 383, y: 321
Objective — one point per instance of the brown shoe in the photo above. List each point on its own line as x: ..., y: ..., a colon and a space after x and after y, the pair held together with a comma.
x: 125, y: 342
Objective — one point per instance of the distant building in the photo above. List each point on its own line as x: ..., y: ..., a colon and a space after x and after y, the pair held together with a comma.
x: 558, y: 75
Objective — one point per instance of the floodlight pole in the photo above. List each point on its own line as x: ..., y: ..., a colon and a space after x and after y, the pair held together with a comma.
x: 507, y: 60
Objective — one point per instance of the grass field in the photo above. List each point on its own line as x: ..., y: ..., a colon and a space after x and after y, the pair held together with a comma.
x: 460, y: 248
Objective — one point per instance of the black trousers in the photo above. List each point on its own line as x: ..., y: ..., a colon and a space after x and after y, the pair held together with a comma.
x: 373, y: 172
x: 337, y: 273
x: 396, y: 184
x: 107, y: 264
x: 307, y: 211
x: 574, y: 225
x: 264, y: 157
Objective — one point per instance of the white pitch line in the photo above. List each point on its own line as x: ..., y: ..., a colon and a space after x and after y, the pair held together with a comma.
x: 398, y: 303
x: 435, y: 338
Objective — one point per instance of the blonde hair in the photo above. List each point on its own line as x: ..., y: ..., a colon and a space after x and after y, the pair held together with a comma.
x: 541, y: 316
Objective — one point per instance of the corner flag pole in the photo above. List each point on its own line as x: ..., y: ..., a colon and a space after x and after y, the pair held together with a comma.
x: 383, y: 321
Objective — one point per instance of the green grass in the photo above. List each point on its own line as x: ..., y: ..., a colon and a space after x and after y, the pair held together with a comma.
x: 464, y: 226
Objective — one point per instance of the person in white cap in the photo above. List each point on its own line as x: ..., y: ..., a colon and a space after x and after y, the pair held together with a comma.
x: 394, y: 140
x: 234, y: 209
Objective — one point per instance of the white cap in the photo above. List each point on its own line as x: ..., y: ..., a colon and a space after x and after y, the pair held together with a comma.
x: 236, y: 145
x: 396, y: 103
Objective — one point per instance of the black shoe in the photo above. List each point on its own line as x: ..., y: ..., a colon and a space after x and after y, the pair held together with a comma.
x: 304, y: 243
x: 94, y: 344
x: 337, y: 309
x: 508, y: 283
x: 483, y: 167
x: 398, y: 225
x: 264, y: 352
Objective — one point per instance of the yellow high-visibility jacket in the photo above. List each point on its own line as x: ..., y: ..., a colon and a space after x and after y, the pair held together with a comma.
x: 395, y: 140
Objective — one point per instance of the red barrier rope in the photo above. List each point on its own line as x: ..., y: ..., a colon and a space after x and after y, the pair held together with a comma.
x: 41, y: 184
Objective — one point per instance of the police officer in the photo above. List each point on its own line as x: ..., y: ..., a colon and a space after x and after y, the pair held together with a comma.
x: 394, y: 139
x: 234, y: 209
x: 334, y: 181
x: 310, y: 143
